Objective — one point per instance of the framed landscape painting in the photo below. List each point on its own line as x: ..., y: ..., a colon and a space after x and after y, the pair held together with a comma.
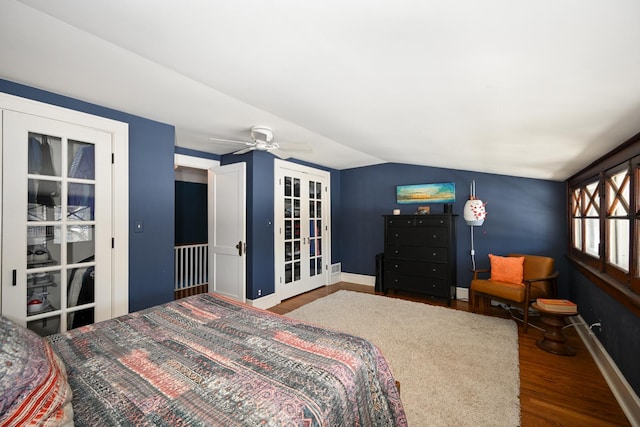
x: 426, y: 193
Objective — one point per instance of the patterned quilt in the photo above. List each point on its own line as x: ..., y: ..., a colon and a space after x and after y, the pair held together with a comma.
x: 210, y: 361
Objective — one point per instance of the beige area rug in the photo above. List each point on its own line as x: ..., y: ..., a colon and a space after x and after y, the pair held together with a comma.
x: 455, y: 368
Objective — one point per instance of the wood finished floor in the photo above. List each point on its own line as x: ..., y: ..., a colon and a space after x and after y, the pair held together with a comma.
x: 554, y: 390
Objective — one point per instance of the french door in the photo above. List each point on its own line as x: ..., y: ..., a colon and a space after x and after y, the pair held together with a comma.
x: 56, y: 223
x: 302, y: 228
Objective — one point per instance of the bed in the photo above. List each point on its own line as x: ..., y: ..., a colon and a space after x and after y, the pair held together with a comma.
x: 208, y: 360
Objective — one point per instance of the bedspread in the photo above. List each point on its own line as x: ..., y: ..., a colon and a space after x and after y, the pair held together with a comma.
x: 208, y: 360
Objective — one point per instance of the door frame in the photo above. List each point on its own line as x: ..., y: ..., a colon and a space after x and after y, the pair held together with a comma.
x: 120, y: 185
x: 280, y: 166
x: 210, y: 166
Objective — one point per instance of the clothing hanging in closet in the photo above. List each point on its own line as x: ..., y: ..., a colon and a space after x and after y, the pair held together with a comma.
x: 82, y: 166
x: 40, y: 163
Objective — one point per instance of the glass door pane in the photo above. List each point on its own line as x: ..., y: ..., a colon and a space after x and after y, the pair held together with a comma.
x: 292, y: 235
x: 315, y: 228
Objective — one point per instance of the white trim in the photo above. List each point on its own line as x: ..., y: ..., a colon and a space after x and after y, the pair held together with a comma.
x: 194, y: 162
x: 358, y: 279
x: 120, y: 180
x: 120, y: 274
x: 622, y: 390
x: 265, y: 302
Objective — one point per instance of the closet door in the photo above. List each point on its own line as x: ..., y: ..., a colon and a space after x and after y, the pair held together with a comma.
x: 301, y: 203
x: 56, y: 222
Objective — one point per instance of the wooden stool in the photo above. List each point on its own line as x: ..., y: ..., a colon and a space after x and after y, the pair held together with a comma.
x: 553, y: 340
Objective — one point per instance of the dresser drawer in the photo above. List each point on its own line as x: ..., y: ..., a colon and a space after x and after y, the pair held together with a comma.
x: 431, y: 222
x: 415, y: 268
x: 417, y: 221
x: 427, y: 236
x: 417, y: 253
x: 431, y: 286
x: 400, y: 222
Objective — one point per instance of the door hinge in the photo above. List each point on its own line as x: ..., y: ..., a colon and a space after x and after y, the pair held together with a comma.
x: 113, y: 158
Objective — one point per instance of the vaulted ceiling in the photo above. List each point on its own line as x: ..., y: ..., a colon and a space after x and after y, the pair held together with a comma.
x: 526, y: 88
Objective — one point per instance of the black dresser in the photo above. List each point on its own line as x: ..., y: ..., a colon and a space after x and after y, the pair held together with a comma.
x: 420, y: 254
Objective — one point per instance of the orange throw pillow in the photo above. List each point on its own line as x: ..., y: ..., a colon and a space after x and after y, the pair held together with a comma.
x: 507, y: 269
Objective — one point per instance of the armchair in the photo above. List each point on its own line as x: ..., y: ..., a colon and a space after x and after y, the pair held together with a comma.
x: 517, y: 280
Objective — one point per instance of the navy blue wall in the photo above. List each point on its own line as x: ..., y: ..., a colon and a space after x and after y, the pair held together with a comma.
x: 524, y: 215
x: 151, y: 195
x: 620, y: 331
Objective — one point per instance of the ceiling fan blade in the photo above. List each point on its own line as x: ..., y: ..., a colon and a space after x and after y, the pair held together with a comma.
x: 295, y: 147
x: 231, y: 141
x: 280, y: 154
x: 244, y: 150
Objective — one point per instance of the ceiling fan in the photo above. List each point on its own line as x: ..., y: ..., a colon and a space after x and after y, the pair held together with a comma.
x: 262, y: 140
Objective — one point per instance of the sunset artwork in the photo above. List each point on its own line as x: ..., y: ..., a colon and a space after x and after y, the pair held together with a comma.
x: 426, y: 193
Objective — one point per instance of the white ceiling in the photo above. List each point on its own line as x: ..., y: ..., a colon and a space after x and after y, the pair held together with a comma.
x: 535, y: 89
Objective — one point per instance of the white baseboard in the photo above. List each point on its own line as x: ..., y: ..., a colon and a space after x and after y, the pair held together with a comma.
x: 624, y: 394
x: 265, y: 302
x: 359, y: 279
x: 364, y: 279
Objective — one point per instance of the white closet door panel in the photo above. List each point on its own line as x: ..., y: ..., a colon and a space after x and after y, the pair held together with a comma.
x: 227, y: 236
x: 302, y: 232
x: 52, y: 237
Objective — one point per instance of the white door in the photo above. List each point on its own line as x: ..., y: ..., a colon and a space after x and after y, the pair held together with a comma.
x: 227, y: 235
x: 56, y: 222
x: 302, y: 228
